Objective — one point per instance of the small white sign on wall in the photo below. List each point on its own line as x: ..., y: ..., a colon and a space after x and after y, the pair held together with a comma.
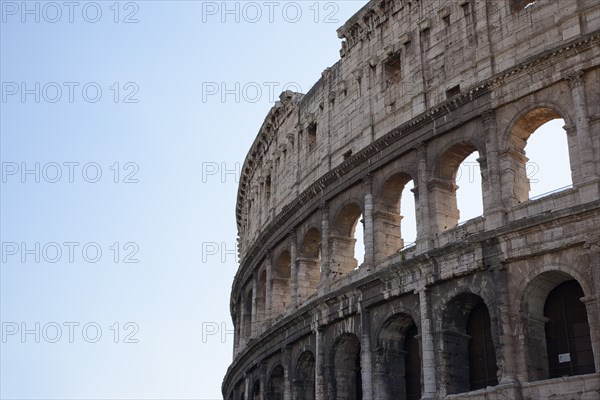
x: 563, y: 358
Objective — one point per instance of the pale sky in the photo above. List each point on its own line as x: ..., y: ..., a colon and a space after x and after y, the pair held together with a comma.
x: 123, y: 128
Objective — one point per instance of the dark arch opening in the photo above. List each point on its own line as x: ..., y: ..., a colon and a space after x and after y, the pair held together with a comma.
x: 261, y: 299
x: 468, y: 337
x: 398, y: 360
x: 303, y: 386
x: 483, y: 371
x: 347, y: 368
x: 276, y: 386
x: 256, y: 391
x: 568, y: 341
x: 248, y: 315
x: 412, y: 361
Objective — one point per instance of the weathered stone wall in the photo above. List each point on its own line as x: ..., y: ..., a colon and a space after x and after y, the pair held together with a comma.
x: 420, y: 86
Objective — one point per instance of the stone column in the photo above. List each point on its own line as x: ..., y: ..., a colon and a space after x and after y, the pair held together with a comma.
x: 325, y: 249
x: 422, y: 197
x: 269, y: 291
x: 287, y: 373
x: 319, y: 364
x: 592, y: 303
x: 445, y: 213
x: 586, y: 149
x: 368, y: 217
x: 508, y: 369
x: 494, y: 215
x: 247, y: 387
x: 366, y: 364
x: 427, y: 347
x: 386, y: 234
x: 263, y: 380
x: 293, y: 270
x: 589, y: 185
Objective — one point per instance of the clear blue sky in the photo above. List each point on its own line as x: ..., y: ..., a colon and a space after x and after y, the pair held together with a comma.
x: 132, y: 150
x: 175, y: 52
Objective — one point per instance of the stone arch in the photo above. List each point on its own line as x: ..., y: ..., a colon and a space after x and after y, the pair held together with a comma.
x: 387, y: 218
x: 552, y: 107
x: 443, y: 185
x: 309, y: 264
x: 470, y: 351
x: 398, y: 369
x: 347, y: 380
x: 533, y: 308
x: 303, y: 385
x: 281, y: 287
x: 513, y: 159
x: 276, y: 385
x: 343, y: 240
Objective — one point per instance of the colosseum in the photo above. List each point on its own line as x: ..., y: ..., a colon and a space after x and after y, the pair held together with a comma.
x: 502, y: 306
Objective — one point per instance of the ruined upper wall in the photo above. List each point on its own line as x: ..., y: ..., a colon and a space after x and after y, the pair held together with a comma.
x: 398, y: 60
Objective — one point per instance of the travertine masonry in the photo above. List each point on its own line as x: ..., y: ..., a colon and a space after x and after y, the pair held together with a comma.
x: 505, y: 306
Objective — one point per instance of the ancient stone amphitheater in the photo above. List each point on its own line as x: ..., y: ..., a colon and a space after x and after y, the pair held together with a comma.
x: 504, y: 306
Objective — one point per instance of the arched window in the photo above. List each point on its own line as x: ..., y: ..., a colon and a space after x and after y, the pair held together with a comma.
x: 309, y: 264
x: 538, y: 160
x: 359, y: 244
x: 304, y: 377
x: 276, y: 386
x: 549, y: 166
x: 347, y: 370
x: 408, y: 208
x: 568, y: 332
x: 467, y: 340
x: 394, y: 217
x: 482, y: 356
x: 456, y: 183
x: 281, y: 294
x: 469, y: 194
x: 347, y: 240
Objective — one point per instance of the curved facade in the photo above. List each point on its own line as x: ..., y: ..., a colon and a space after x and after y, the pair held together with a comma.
x: 503, y: 306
